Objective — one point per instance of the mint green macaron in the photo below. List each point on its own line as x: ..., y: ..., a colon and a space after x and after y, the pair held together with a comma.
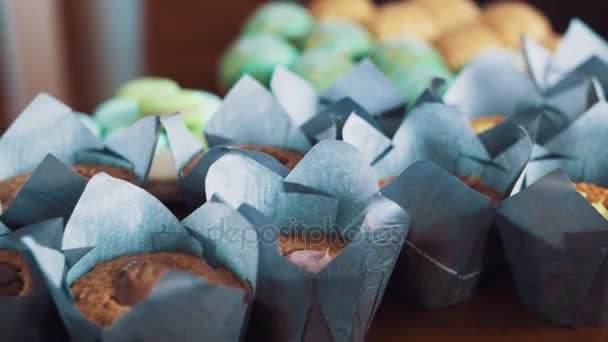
x: 287, y: 20
x: 322, y: 68
x: 404, y: 54
x: 340, y: 36
x: 116, y: 113
x: 256, y: 55
x: 415, y: 81
x: 142, y: 88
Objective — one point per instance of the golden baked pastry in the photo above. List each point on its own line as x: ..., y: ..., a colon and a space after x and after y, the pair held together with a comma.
x: 511, y: 19
x: 483, y: 124
x: 361, y: 11
x: 404, y: 20
x: 460, y: 45
x: 449, y: 14
x: 596, y: 195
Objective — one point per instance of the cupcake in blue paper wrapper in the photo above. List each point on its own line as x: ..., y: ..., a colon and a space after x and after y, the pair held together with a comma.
x: 256, y: 55
x: 450, y: 180
x: 555, y: 241
x: 27, y: 307
x: 250, y: 117
x: 129, y: 270
x: 287, y: 20
x: 48, y: 126
x: 329, y: 240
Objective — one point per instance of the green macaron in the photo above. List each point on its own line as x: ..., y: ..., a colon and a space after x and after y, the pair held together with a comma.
x: 287, y: 20
x: 404, y: 54
x: 340, y: 36
x: 415, y: 81
x: 142, y: 88
x: 116, y: 113
x: 256, y: 55
x: 322, y: 68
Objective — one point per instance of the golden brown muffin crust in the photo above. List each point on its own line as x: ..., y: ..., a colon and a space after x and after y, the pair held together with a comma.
x: 10, y: 187
x: 384, y: 181
x: 476, y: 183
x: 485, y: 123
x: 15, y: 277
x: 593, y: 193
x: 111, y: 288
x: 315, y: 241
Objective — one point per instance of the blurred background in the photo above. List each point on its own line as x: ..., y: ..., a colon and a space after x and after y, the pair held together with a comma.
x: 80, y: 51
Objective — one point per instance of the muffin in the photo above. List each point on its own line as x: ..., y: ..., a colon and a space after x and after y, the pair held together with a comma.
x: 340, y: 36
x: 287, y: 20
x: 312, y: 251
x: 111, y: 288
x: 361, y: 11
x: 461, y: 44
x: 511, y: 19
x: 476, y: 183
x: 255, y: 55
x: 15, y: 278
x: 485, y: 123
x: 452, y: 13
x: 322, y: 68
x: 10, y: 187
x: 286, y: 157
x: 405, y: 20
x: 596, y: 195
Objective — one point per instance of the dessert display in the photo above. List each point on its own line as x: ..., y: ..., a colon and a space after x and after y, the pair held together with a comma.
x: 111, y: 288
x: 15, y: 279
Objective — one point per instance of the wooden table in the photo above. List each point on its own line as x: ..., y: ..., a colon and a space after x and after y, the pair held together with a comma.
x: 494, y: 315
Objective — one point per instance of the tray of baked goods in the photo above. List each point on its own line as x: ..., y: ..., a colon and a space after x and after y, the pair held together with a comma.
x: 422, y: 170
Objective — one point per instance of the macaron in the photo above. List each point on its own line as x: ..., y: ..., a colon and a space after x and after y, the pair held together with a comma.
x: 404, y: 54
x: 451, y: 13
x: 116, y: 113
x: 287, y: 20
x: 340, y: 36
x: 257, y: 55
x: 322, y: 68
x: 361, y: 11
x: 415, y: 81
x: 141, y: 88
x: 404, y: 20
x: 511, y: 19
x: 460, y: 45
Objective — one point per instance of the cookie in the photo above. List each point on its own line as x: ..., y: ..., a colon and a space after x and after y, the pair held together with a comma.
x: 477, y: 184
x: 361, y: 11
x: 10, y: 187
x: 404, y: 20
x: 461, y: 44
x: 485, y: 123
x: 312, y: 251
x: 15, y: 278
x: 511, y: 19
x: 596, y: 195
x: 111, y: 288
x: 451, y: 13
x: 286, y: 157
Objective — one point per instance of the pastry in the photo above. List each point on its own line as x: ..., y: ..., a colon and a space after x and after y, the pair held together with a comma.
x: 511, y: 19
x: 552, y: 41
x: 384, y: 181
x: 322, y: 68
x: 596, y: 195
x: 111, y: 288
x: 10, y: 187
x: 256, y: 55
x: 485, y: 123
x: 477, y: 184
x: 340, y: 36
x: 404, y: 20
x: 449, y: 14
x: 404, y: 54
x: 460, y: 45
x: 286, y: 157
x: 15, y: 278
x: 361, y: 11
x: 287, y: 20
x: 311, y: 251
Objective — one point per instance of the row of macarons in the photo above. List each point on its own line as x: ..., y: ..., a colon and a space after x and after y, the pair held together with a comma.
x: 404, y: 38
x: 110, y: 269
